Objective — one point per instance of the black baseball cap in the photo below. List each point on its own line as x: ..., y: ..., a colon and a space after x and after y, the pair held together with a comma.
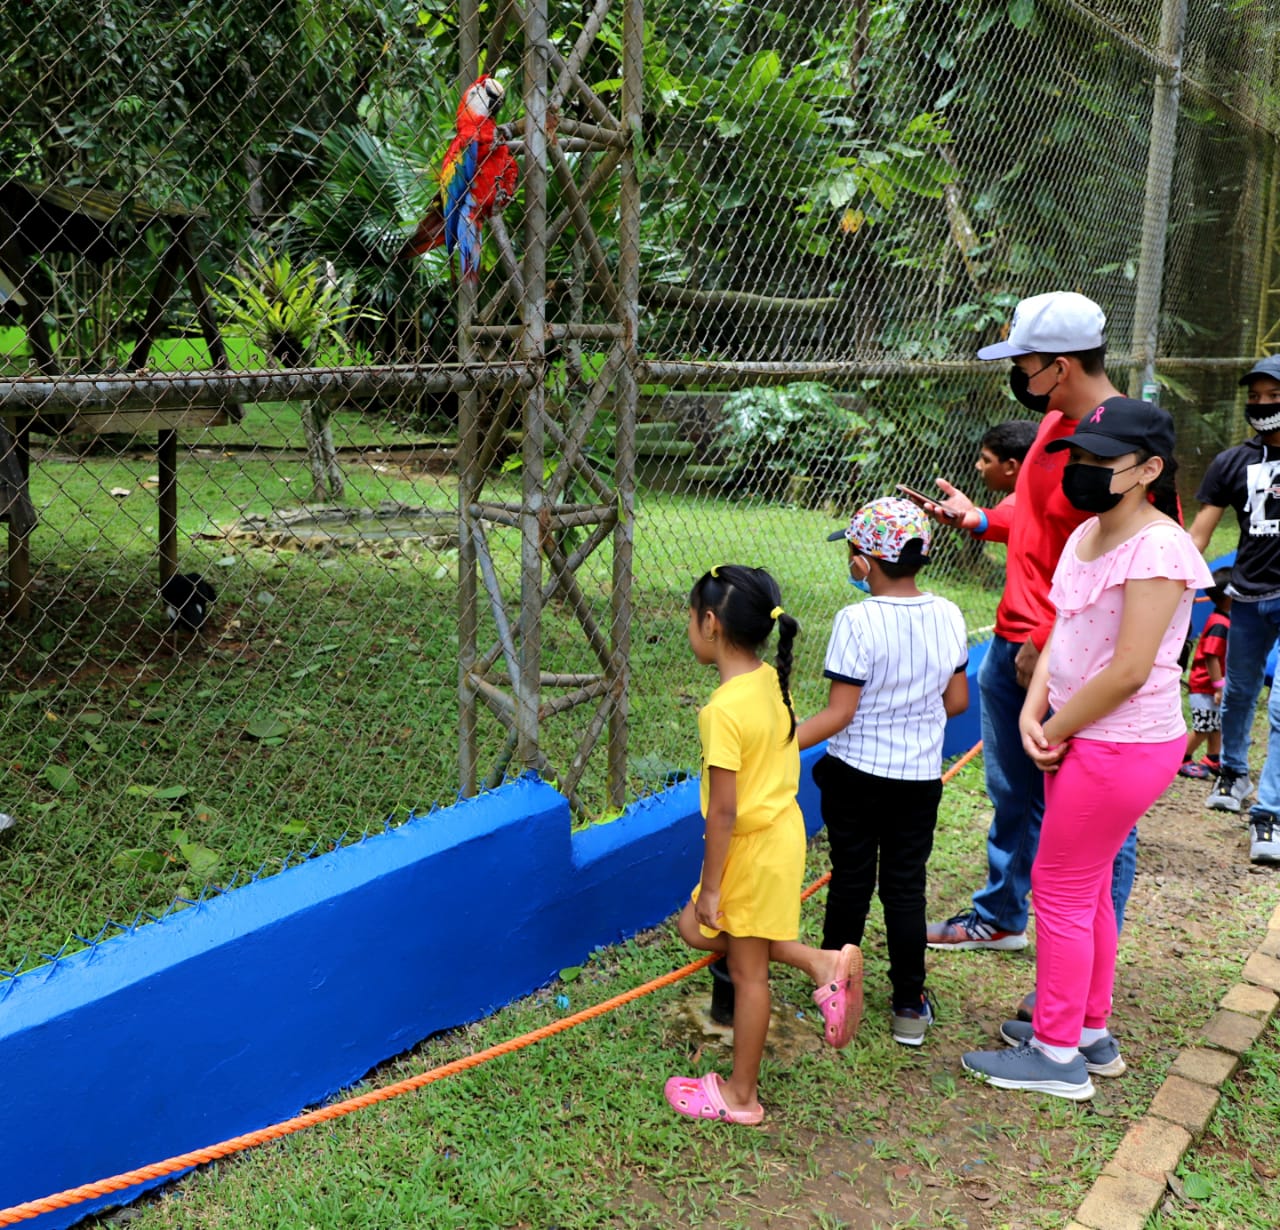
x: 1270, y: 366
x: 1121, y: 425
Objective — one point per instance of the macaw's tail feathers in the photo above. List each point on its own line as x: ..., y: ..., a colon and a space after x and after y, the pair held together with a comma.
x: 430, y: 234
x: 468, y: 243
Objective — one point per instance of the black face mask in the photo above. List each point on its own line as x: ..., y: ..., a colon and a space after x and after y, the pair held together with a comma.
x: 1263, y: 423
x: 1037, y: 403
x: 1088, y: 488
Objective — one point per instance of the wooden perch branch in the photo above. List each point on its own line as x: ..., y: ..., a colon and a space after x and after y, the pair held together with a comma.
x: 572, y: 67
x: 214, y: 389
x: 664, y: 294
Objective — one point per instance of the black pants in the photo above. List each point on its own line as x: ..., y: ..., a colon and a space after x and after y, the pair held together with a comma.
x: 879, y: 821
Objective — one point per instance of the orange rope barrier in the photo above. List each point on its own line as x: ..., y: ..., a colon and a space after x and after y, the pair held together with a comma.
x: 212, y: 1153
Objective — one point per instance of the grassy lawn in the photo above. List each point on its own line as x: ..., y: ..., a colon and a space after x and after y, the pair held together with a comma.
x: 145, y: 766
x: 574, y: 1132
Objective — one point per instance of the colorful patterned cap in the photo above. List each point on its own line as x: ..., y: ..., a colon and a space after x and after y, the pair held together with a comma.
x: 884, y: 527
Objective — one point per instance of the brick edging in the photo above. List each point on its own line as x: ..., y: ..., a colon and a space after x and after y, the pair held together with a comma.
x: 1132, y: 1184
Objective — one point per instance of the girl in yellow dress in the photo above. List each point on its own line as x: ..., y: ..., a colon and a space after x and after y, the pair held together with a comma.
x: 747, y: 904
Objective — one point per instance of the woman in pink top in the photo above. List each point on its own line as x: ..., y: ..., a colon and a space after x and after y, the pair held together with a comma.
x: 1109, y: 682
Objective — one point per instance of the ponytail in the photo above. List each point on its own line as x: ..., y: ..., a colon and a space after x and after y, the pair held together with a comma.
x: 787, y: 630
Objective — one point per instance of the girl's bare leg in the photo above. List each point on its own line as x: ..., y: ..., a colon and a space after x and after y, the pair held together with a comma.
x: 819, y: 963
x: 749, y: 968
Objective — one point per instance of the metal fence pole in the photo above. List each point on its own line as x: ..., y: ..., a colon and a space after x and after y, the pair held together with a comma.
x: 533, y: 350
x: 626, y: 389
x: 1155, y: 211
x: 469, y: 476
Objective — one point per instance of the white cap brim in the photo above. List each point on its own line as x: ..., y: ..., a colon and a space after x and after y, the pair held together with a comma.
x: 1002, y: 350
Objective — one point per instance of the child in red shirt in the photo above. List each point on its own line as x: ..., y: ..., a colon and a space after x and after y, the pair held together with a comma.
x: 1208, y: 673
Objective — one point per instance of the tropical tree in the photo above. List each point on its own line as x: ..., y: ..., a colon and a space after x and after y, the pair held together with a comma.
x: 296, y: 316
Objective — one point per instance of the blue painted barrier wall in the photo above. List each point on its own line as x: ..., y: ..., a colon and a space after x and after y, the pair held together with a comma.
x: 252, y: 1005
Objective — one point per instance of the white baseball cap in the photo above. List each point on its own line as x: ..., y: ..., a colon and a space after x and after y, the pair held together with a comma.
x: 1060, y: 322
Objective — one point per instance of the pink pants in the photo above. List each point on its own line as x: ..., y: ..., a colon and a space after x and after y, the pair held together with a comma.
x: 1091, y: 803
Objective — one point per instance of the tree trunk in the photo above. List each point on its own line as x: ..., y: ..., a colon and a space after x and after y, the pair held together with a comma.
x: 326, y: 474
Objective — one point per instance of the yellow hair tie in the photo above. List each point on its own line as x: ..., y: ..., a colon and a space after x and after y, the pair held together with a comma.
x: 777, y: 610
x: 715, y: 572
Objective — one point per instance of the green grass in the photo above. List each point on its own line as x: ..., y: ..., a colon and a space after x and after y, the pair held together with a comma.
x: 1231, y: 1177
x: 132, y: 756
x: 574, y: 1132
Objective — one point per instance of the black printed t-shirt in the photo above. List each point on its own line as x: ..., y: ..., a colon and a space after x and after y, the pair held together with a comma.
x: 1247, y: 478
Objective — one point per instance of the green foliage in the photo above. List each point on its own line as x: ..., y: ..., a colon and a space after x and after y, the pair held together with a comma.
x: 797, y: 430
x: 291, y: 313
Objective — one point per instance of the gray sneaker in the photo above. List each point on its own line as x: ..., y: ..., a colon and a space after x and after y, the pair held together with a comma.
x: 1102, y: 1058
x: 1230, y: 791
x: 1027, y: 1067
x: 1264, y: 840
x: 910, y: 1026
x: 6, y: 821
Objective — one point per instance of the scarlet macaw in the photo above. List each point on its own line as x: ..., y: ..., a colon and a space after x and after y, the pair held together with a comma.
x: 477, y: 177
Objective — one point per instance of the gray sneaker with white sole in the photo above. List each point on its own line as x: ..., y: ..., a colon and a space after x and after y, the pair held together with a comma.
x: 1230, y: 792
x: 1101, y: 1058
x: 1264, y: 837
x: 1027, y: 1067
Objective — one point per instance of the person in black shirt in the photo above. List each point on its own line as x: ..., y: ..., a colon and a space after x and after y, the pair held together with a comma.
x: 1247, y: 478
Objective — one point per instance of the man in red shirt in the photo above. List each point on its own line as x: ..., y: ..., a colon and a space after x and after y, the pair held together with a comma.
x: 1057, y: 346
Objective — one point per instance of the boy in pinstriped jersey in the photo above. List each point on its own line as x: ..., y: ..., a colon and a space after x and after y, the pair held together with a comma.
x: 896, y: 662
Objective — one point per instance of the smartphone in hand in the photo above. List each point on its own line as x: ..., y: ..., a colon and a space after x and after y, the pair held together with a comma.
x: 920, y: 498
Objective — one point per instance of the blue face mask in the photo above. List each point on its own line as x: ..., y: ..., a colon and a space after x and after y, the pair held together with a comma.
x: 863, y: 586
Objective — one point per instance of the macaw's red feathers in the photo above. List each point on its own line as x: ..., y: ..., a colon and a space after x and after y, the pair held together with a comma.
x: 430, y: 234
x: 478, y: 176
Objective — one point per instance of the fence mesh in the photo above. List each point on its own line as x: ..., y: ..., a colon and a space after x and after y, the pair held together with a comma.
x: 318, y: 480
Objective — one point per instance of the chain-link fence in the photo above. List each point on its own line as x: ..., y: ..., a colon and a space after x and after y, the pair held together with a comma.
x: 361, y: 443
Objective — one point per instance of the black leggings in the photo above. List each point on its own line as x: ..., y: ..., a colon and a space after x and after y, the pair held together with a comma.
x: 874, y: 820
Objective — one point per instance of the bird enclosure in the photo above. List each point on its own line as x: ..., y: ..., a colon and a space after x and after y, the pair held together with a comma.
x: 447, y: 345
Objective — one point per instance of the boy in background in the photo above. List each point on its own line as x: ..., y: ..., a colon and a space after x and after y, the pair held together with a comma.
x: 1001, y: 454
x: 1246, y: 478
x: 1206, y: 681
x: 896, y: 664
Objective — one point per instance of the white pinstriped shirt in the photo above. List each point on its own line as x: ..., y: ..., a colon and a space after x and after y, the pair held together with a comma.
x: 902, y: 652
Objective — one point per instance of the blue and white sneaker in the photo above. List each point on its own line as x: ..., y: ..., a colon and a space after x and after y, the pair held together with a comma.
x: 910, y: 1024
x: 1101, y: 1058
x: 1028, y: 1067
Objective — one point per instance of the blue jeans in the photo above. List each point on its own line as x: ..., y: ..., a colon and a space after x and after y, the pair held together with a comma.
x: 1254, y: 627
x: 1016, y: 789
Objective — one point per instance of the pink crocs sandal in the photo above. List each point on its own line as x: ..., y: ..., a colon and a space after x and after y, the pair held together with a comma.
x: 840, y: 1000
x: 700, y: 1098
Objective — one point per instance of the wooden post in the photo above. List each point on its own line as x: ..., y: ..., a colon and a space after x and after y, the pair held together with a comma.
x: 161, y: 292
x: 167, y: 504
x: 18, y: 606
x: 204, y: 304
x: 1161, y: 148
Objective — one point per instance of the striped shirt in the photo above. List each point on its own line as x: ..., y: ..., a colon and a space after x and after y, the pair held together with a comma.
x: 902, y: 653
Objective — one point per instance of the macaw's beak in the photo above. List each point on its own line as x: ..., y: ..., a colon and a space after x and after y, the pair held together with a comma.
x: 494, y: 95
